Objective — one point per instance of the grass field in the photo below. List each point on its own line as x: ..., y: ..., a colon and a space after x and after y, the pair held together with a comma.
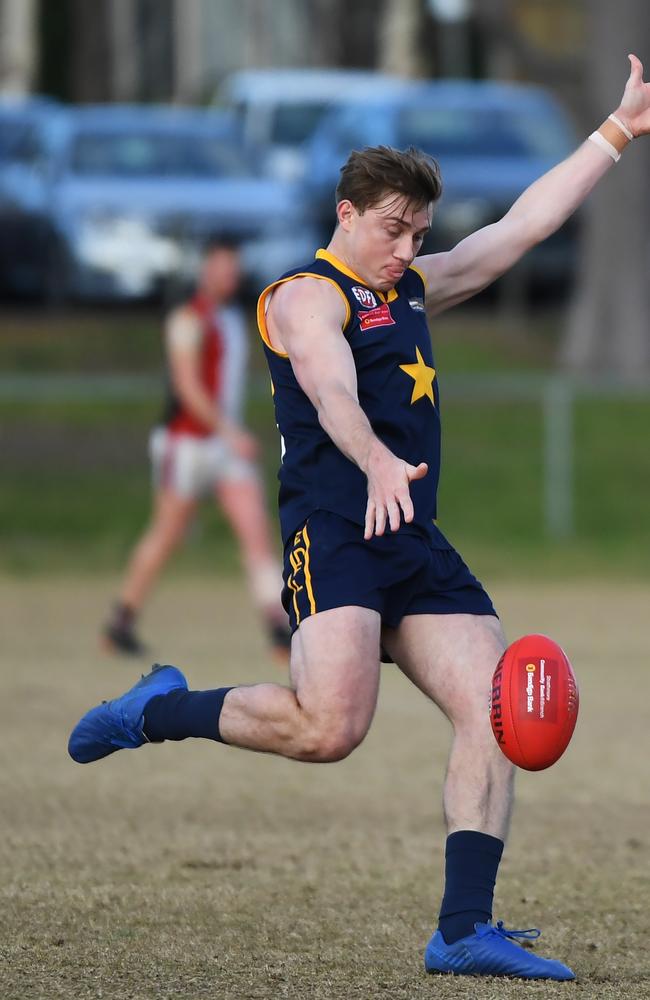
x: 75, y: 476
x: 195, y: 871
x: 75, y: 490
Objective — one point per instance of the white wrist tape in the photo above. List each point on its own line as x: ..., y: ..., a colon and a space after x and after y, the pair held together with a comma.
x: 606, y: 146
x: 624, y: 129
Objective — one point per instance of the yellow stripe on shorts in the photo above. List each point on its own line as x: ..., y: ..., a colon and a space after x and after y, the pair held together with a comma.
x: 299, y: 559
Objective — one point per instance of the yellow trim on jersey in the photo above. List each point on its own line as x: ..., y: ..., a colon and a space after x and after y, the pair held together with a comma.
x: 261, y: 305
x: 339, y: 265
x: 310, y: 591
x: 420, y: 274
x: 344, y: 269
x: 261, y: 319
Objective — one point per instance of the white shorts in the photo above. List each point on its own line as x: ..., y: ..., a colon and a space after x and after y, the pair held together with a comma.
x: 192, y: 466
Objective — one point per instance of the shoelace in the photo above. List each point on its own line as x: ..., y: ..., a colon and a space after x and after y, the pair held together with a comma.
x: 531, y: 934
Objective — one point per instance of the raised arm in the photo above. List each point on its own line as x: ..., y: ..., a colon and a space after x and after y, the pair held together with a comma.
x: 543, y: 207
x: 305, y: 320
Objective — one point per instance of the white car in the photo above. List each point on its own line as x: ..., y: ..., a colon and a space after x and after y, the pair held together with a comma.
x: 279, y: 109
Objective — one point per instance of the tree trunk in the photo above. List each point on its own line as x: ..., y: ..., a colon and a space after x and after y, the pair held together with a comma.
x: 399, y: 38
x: 154, y: 28
x: 91, y: 51
x: 610, y: 315
x: 189, y: 80
x: 17, y: 46
x: 124, y: 50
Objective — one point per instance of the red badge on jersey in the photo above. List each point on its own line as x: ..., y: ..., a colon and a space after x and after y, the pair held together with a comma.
x: 376, y: 317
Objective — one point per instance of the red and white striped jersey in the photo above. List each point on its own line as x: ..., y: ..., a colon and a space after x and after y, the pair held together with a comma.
x: 218, y: 334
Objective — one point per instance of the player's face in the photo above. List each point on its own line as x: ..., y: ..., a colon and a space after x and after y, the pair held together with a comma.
x: 221, y: 274
x: 382, y: 241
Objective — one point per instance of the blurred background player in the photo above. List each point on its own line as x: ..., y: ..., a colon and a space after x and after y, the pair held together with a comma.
x: 203, y: 448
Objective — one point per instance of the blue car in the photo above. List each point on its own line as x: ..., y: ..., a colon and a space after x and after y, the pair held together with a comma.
x: 491, y: 139
x: 113, y: 202
x: 28, y: 129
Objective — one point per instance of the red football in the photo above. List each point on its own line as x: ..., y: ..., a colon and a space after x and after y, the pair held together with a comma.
x: 534, y: 703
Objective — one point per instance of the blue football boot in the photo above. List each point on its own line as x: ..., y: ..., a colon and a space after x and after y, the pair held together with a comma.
x: 491, y: 951
x: 117, y: 724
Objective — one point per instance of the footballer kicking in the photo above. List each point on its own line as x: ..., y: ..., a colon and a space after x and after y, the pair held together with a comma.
x: 367, y: 571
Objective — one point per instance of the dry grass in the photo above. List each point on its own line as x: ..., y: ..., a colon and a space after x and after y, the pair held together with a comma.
x: 194, y: 870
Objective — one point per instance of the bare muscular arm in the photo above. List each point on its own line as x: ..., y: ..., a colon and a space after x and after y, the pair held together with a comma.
x: 305, y: 320
x: 543, y: 207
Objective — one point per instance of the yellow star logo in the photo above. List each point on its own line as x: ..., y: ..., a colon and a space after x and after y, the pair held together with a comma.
x: 422, y: 376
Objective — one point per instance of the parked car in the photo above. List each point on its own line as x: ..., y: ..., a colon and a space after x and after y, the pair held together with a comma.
x: 16, y: 114
x: 124, y: 195
x: 28, y: 129
x: 491, y: 139
x: 280, y: 108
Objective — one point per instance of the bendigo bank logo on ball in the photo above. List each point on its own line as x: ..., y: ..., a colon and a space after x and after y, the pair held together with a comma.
x: 530, y: 687
x: 536, y: 694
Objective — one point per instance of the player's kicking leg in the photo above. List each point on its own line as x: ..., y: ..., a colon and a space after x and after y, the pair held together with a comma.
x: 322, y: 717
x: 451, y: 658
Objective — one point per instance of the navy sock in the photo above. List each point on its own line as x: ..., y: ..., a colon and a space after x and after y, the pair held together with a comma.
x: 180, y: 714
x: 471, y: 865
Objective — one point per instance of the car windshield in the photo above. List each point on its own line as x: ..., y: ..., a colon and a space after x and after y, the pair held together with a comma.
x: 154, y: 154
x: 486, y: 132
x: 294, y: 123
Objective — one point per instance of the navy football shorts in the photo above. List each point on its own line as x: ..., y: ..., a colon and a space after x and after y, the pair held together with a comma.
x: 328, y: 564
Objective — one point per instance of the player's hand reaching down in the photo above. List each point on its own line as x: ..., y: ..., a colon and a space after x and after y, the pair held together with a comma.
x: 388, y: 491
x: 634, y: 109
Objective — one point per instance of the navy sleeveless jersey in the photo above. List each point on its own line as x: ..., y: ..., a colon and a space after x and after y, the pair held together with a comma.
x: 397, y: 390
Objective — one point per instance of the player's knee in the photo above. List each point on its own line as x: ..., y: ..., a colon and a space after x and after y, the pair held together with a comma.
x: 472, y: 719
x: 330, y: 740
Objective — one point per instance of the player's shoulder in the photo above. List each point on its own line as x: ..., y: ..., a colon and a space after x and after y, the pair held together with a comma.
x: 307, y: 293
x: 182, y: 326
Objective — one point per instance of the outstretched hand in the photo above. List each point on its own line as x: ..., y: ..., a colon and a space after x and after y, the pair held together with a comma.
x: 634, y: 109
x: 389, y: 498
